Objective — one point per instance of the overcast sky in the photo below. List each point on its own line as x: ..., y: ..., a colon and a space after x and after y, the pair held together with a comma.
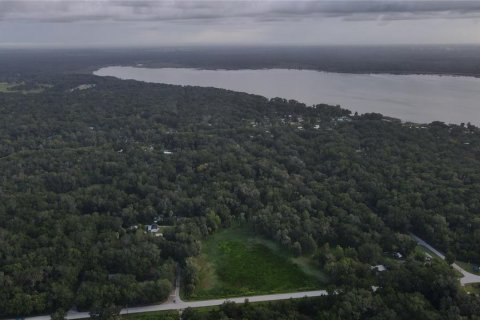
x: 155, y: 23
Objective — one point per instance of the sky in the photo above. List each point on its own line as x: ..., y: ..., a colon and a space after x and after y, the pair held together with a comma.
x: 131, y: 23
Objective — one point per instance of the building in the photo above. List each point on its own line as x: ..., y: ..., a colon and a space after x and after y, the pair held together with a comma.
x: 397, y: 255
x: 379, y: 268
x: 153, y: 228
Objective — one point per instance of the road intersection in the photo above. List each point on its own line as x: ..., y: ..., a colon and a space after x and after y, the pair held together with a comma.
x: 175, y: 303
x: 467, y: 276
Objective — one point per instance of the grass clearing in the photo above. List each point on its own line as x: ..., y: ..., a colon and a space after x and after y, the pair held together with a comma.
x: 165, y: 228
x: 236, y: 262
x: 207, y: 277
x: 426, y: 251
x: 6, y: 87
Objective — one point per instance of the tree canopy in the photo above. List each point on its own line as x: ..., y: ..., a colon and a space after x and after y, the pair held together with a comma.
x: 86, y: 168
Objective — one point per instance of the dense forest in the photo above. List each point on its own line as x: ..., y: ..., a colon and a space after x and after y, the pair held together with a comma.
x: 87, y: 162
x: 415, y: 59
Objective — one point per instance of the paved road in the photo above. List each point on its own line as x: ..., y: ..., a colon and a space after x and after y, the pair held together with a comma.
x: 179, y: 305
x: 174, y: 302
x: 467, y: 276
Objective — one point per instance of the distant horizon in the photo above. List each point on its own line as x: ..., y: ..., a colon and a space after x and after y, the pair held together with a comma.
x: 217, y: 45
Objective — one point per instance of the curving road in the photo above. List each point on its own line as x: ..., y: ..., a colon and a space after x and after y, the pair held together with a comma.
x: 467, y: 276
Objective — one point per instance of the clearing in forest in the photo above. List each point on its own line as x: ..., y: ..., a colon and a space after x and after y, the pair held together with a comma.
x: 6, y: 87
x: 236, y: 262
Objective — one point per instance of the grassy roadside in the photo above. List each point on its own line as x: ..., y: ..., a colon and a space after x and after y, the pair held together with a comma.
x: 157, y: 315
x: 424, y: 250
x: 175, y: 315
x: 472, y: 288
x: 467, y: 267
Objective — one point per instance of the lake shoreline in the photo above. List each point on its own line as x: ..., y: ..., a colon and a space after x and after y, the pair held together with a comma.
x: 393, y: 73
x: 416, y: 98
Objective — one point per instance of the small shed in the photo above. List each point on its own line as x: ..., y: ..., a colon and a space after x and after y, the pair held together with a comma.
x: 397, y: 255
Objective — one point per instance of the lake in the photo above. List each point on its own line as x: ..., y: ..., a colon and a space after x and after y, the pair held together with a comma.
x: 417, y: 98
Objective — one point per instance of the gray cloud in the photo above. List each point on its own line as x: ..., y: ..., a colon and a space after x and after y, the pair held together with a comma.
x: 78, y: 23
x: 270, y: 10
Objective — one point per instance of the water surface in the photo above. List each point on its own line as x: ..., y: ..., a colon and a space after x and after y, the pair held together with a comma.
x: 417, y: 98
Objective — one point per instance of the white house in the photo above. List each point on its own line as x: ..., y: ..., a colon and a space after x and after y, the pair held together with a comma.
x: 379, y: 267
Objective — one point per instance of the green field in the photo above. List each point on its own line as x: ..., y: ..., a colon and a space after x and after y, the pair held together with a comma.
x: 235, y: 262
x: 4, y: 86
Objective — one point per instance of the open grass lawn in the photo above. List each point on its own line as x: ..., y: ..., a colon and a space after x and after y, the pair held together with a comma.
x: 425, y: 250
x: 235, y: 262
